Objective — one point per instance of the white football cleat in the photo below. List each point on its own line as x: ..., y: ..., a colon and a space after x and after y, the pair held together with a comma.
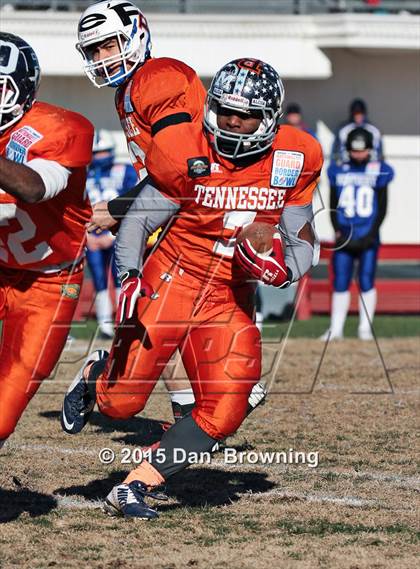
x: 365, y: 335
x: 329, y: 335
x: 257, y: 396
x: 106, y: 331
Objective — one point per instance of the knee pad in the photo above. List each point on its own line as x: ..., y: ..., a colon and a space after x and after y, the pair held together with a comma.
x: 222, y: 425
x: 118, y: 411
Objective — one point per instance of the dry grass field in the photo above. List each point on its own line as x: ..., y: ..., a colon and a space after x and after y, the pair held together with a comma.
x: 355, y: 510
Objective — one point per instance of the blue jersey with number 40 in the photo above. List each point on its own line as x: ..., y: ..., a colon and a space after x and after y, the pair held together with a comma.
x: 357, y: 188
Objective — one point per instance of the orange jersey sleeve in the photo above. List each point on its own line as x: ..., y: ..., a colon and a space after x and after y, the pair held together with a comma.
x: 171, y: 156
x: 165, y: 87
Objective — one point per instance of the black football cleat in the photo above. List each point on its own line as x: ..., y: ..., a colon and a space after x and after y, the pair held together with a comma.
x: 78, y: 403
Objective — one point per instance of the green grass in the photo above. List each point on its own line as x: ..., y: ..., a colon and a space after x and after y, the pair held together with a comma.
x: 84, y: 330
x: 384, y: 326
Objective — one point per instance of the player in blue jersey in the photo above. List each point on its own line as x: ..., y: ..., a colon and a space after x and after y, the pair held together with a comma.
x: 106, y: 180
x: 358, y: 203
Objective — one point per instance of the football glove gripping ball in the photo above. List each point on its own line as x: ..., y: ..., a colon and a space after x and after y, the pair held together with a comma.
x: 270, y: 269
x: 132, y: 286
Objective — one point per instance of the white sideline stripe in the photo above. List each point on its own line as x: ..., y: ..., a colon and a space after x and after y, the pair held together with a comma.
x: 349, y: 501
x: 53, y: 449
x: 338, y: 387
x: 77, y: 503
x: 406, y: 481
x: 67, y: 502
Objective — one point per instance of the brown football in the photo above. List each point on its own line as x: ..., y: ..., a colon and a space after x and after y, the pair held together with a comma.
x: 260, y: 236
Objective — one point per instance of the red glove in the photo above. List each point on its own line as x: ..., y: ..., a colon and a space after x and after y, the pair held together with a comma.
x: 131, y: 288
x: 270, y: 269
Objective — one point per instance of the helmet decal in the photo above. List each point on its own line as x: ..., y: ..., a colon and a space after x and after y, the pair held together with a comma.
x: 225, y: 78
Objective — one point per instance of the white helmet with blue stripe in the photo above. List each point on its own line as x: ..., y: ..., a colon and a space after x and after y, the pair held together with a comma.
x: 108, y: 20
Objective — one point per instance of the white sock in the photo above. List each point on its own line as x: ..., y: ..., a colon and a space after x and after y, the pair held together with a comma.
x: 103, y: 307
x: 339, y: 309
x: 117, y: 294
x: 259, y: 320
x: 367, y: 305
x: 182, y: 396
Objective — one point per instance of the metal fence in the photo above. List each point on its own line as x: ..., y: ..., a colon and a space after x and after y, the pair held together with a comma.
x: 232, y: 6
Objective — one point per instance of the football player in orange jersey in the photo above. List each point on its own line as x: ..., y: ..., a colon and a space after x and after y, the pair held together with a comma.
x: 152, y: 94
x: 44, y: 151
x: 198, y: 284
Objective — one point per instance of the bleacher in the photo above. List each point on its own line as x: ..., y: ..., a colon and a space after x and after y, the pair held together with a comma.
x: 233, y: 6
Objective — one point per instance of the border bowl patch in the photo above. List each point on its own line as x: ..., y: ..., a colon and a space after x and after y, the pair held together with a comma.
x: 287, y: 167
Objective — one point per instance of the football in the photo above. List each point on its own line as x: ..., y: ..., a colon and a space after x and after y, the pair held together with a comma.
x: 260, y: 236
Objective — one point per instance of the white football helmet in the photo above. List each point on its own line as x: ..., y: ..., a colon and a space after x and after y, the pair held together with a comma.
x: 113, y: 19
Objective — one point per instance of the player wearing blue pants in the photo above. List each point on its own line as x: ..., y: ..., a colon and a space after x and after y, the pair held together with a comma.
x: 358, y: 203
x: 106, y: 180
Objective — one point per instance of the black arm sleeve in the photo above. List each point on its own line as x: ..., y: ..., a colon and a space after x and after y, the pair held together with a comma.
x: 382, y: 207
x: 371, y: 237
x: 333, y: 208
x: 119, y: 206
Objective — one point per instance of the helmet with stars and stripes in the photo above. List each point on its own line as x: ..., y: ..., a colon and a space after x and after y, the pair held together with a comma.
x: 250, y: 87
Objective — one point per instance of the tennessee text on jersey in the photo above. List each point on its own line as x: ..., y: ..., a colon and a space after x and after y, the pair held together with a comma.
x: 239, y: 197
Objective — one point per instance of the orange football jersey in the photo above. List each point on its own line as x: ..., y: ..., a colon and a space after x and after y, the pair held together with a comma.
x: 161, y: 87
x: 218, y: 198
x: 47, y: 235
